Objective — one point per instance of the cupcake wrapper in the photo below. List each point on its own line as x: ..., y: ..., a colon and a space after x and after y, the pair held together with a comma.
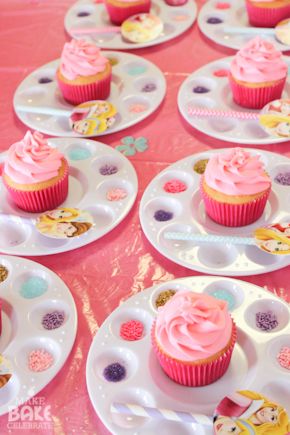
x: 77, y: 94
x: 118, y: 15
x: 43, y: 199
x: 234, y: 215
x: 175, y: 2
x: 266, y: 17
x: 256, y: 98
x: 192, y: 375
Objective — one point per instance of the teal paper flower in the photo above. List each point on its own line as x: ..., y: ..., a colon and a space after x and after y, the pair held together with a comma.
x: 130, y: 145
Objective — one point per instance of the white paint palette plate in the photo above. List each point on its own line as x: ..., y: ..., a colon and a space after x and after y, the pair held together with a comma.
x: 186, y: 214
x: 145, y: 383
x: 213, y: 78
x: 22, y: 329
x: 88, y: 190
x: 87, y: 13
x: 234, y: 16
x: 132, y: 76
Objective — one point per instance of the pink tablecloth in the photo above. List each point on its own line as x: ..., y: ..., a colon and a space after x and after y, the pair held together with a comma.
x: 123, y: 262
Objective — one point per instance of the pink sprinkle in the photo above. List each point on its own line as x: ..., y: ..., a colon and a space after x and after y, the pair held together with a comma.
x: 131, y: 330
x: 116, y: 194
x: 284, y: 357
x: 40, y: 360
x: 221, y: 73
x: 137, y: 108
x: 174, y: 186
x: 222, y: 5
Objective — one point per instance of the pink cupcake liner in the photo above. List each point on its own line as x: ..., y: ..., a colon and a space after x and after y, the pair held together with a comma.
x: 266, y: 17
x: 118, y: 15
x: 176, y: 2
x: 234, y: 215
x: 77, y: 94
x: 43, y: 199
x: 255, y: 98
x: 192, y: 375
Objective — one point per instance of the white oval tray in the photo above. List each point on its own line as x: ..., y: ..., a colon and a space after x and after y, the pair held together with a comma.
x: 189, y: 216
x: 129, y: 76
x: 220, y: 97
x: 235, y: 16
x: 23, y: 332
x: 146, y: 384
x: 176, y: 20
x: 87, y: 191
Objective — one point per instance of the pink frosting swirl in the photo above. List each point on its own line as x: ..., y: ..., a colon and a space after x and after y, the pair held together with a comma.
x: 192, y: 326
x: 258, y: 62
x: 32, y: 160
x: 236, y: 172
x: 81, y: 58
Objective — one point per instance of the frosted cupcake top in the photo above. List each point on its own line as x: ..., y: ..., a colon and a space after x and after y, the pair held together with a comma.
x: 32, y: 160
x: 80, y: 58
x: 193, y: 326
x: 236, y: 172
x: 257, y: 62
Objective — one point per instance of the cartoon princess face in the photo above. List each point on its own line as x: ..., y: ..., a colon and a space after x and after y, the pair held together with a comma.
x: 59, y: 214
x: 66, y: 229
x: 267, y: 415
x: 274, y: 246
x: 283, y: 128
x: 226, y: 426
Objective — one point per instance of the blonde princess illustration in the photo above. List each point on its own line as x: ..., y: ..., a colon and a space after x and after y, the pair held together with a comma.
x: 64, y: 223
x: 274, y: 239
x: 250, y: 413
x: 277, y: 125
x: 64, y: 214
x: 89, y: 126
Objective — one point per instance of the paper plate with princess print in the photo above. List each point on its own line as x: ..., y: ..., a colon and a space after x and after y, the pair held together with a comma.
x: 39, y: 324
x: 208, y: 88
x: 215, y: 16
x: 181, y: 210
x: 89, y: 14
x: 137, y: 89
x: 262, y: 347
x: 102, y: 190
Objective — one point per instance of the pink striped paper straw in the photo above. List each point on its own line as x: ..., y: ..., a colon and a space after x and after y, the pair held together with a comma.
x: 94, y: 30
x: 165, y: 414
x: 213, y: 113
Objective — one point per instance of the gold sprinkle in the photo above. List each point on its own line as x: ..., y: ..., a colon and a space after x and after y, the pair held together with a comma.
x: 113, y: 61
x: 3, y: 273
x: 164, y: 297
x: 200, y: 166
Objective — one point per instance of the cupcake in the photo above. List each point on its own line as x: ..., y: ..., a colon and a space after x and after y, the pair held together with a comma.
x: 193, y: 338
x: 35, y: 175
x: 267, y: 13
x: 84, y: 73
x: 120, y: 10
x: 235, y: 187
x: 257, y: 74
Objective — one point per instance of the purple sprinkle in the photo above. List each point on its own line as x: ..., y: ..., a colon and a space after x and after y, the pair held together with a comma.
x: 44, y: 80
x: 114, y: 372
x: 214, y: 20
x: 266, y: 321
x: 83, y: 14
x: 162, y: 215
x: 149, y: 87
x: 53, y: 320
x: 200, y: 90
x: 108, y: 170
x: 283, y: 178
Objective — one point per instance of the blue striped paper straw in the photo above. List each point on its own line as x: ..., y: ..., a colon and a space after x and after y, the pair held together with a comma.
x: 166, y: 414
x: 209, y: 238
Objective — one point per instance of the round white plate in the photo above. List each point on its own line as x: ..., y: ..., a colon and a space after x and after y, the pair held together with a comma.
x: 220, y: 97
x: 189, y: 216
x: 235, y: 16
x: 129, y: 77
x: 87, y: 191
x: 176, y: 20
x: 22, y: 331
x: 147, y: 385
